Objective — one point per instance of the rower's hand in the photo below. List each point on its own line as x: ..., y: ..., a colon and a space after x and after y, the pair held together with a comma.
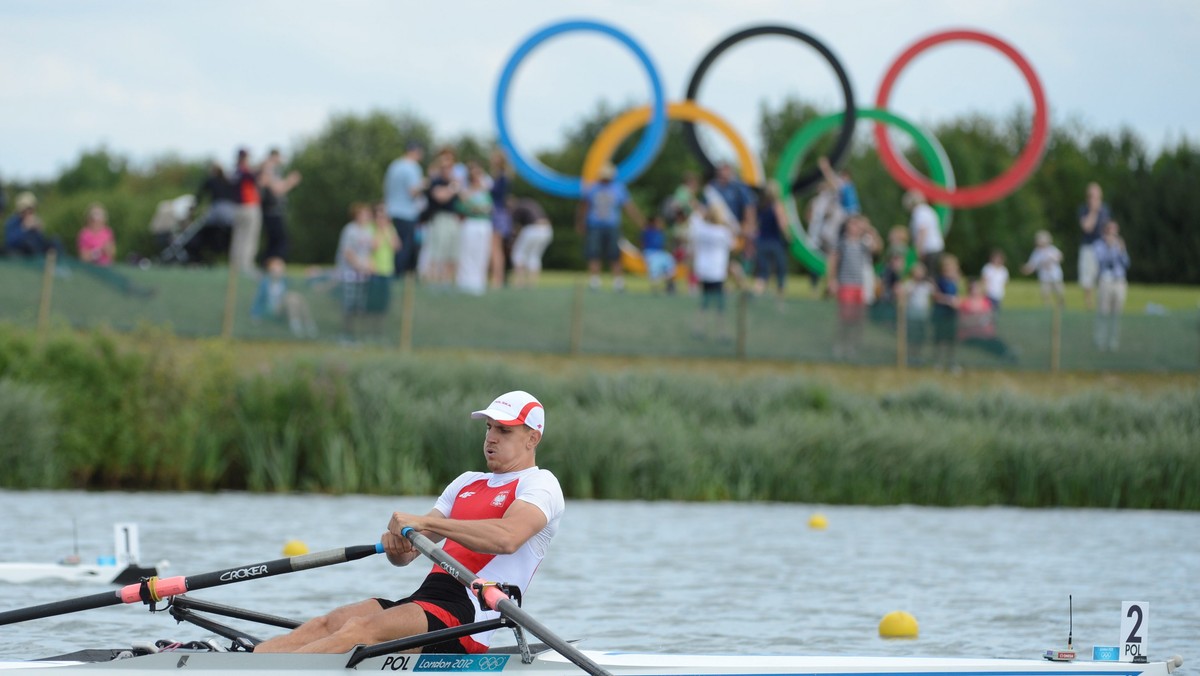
x: 395, y: 545
x: 402, y: 520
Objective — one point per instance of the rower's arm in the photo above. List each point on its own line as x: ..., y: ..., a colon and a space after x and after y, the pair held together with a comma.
x: 489, y: 536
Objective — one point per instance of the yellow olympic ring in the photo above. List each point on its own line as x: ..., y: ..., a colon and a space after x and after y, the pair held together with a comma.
x: 602, y: 149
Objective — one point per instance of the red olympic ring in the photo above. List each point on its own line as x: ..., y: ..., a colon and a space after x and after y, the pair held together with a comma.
x: 997, y: 188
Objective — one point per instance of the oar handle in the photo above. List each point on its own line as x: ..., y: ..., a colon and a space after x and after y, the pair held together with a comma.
x: 155, y: 589
x: 496, y: 599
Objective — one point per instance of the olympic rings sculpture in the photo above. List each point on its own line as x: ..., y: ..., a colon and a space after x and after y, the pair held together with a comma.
x: 941, y: 190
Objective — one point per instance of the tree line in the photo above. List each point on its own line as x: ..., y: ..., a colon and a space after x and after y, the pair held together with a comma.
x: 1152, y: 194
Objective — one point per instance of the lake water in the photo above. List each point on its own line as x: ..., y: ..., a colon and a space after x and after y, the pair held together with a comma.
x: 671, y: 577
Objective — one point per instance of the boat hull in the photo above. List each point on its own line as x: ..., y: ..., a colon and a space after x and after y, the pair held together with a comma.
x: 618, y: 664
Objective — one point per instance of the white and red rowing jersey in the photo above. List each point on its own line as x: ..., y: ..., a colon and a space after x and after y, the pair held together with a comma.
x: 480, y: 495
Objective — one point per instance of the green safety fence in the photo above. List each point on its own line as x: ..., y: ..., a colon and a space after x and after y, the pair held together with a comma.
x: 192, y: 302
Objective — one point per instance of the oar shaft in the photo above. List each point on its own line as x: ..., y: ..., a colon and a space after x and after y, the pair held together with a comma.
x: 500, y: 601
x: 60, y: 607
x: 165, y: 587
x: 159, y: 589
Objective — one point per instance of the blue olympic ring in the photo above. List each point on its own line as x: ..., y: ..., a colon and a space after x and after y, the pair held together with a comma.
x: 539, y: 175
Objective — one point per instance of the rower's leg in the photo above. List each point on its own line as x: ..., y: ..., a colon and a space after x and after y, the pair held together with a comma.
x: 318, y: 628
x: 396, y: 622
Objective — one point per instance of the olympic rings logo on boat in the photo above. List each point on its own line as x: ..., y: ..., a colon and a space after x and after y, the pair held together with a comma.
x: 655, y: 117
x: 492, y: 662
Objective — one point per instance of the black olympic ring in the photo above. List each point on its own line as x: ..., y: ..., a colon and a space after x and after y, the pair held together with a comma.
x: 804, y: 180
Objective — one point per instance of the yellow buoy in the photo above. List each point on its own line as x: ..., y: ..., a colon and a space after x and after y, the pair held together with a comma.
x: 817, y: 522
x: 294, y: 548
x: 898, y: 624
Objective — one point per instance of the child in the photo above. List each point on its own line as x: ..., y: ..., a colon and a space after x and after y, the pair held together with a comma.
x: 846, y: 269
x: 354, y: 267
x: 275, y: 301
x: 1046, y: 260
x: 995, y: 279
x: 660, y: 264
x: 945, y: 313
x: 918, y: 291
x: 385, y: 244
x: 977, y: 322
x: 712, y: 239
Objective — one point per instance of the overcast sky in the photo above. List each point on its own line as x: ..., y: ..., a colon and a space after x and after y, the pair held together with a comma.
x: 201, y: 77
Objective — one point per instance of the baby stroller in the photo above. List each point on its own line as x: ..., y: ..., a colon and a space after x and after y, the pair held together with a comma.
x: 187, y: 238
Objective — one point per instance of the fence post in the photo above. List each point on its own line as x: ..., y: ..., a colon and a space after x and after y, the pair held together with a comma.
x: 408, y: 302
x: 576, y: 320
x: 1055, y: 337
x: 43, y: 320
x: 901, y: 330
x: 743, y: 302
x: 230, y: 302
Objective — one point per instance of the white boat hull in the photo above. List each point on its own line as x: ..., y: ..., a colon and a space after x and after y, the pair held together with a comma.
x: 618, y: 664
x: 24, y: 573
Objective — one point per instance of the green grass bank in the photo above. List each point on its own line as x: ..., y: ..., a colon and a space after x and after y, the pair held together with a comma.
x: 147, y: 410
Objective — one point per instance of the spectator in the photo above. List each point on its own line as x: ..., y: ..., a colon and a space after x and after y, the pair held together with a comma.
x: 1046, y: 261
x: 925, y: 228
x: 1093, y: 215
x: 825, y: 218
x: 384, y: 244
x: 945, y: 313
x: 770, y: 243
x: 247, y: 215
x: 847, y: 194
x: 502, y: 224
x: 274, y: 300
x: 442, y: 233
x: 1112, y: 262
x: 884, y: 308
x: 24, y: 232
x: 403, y: 192
x: 977, y: 322
x: 598, y: 219
x: 712, y: 236
x: 533, y: 236
x: 660, y: 263
x: 995, y: 279
x: 95, y: 242
x: 846, y: 272
x: 476, y: 234
x: 213, y: 233
x: 739, y: 202
x: 918, y: 292
x: 274, y: 188
x: 353, y: 264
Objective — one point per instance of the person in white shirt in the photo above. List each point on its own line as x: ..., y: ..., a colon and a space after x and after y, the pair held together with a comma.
x: 926, y: 229
x: 1046, y: 261
x: 712, y: 237
x: 995, y: 279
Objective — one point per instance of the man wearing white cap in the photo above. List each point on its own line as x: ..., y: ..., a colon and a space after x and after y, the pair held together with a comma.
x: 498, y: 523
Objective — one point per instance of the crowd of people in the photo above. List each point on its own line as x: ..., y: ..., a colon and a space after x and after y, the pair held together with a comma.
x: 456, y: 225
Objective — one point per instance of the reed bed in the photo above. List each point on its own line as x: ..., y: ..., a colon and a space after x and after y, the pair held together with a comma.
x: 102, y: 411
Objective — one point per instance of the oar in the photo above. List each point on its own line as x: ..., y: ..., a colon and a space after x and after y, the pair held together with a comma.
x: 155, y: 589
x: 498, y: 600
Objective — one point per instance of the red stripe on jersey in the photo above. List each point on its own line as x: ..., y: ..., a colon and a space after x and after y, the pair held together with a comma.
x: 478, y: 500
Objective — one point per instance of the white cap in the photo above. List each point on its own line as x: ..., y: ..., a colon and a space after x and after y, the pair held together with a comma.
x: 515, y: 408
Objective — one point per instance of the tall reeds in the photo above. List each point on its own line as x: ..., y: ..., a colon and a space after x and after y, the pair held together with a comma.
x: 137, y: 413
